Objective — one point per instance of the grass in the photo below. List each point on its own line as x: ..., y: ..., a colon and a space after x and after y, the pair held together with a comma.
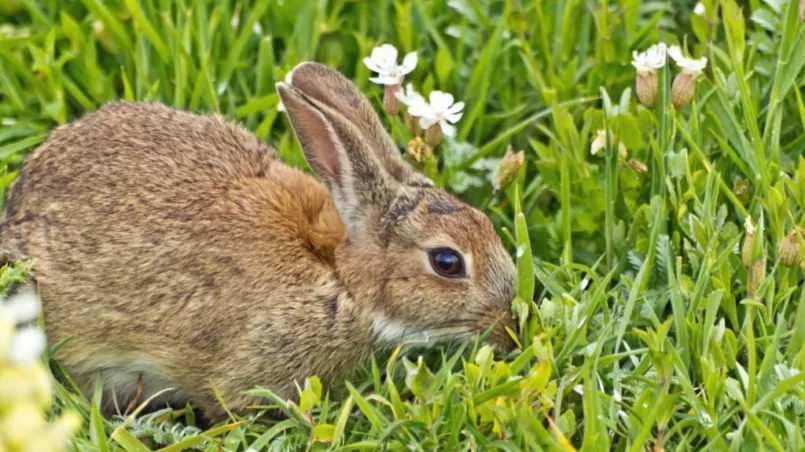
x: 643, y: 326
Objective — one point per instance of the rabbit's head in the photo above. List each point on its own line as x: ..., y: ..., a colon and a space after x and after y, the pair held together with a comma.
x: 417, y: 262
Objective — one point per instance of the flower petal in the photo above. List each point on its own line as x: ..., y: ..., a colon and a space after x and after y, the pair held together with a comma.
x: 452, y: 117
x: 440, y: 101
x: 447, y: 129
x: 599, y: 142
x: 426, y: 121
x: 418, y: 107
x: 27, y: 345
x: 409, y: 63
x: 455, y: 108
x: 23, y: 307
x: 384, y: 79
x: 701, y: 63
x: 372, y: 65
x: 407, y: 96
x: 675, y: 52
x: 385, y: 56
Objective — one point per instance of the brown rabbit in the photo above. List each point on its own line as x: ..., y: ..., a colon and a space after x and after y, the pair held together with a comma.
x: 179, y: 248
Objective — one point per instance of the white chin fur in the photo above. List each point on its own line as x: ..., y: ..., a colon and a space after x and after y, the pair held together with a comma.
x: 392, y: 332
x: 389, y: 331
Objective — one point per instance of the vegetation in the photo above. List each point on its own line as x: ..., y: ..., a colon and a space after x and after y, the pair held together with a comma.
x: 653, y: 315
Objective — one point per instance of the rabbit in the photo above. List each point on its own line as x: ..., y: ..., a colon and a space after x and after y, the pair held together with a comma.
x: 178, y: 249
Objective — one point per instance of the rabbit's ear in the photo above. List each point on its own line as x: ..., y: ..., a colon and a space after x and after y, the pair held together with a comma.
x: 329, y: 87
x: 340, y: 158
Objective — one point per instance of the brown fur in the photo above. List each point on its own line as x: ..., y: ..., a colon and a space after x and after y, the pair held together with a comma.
x: 178, y: 246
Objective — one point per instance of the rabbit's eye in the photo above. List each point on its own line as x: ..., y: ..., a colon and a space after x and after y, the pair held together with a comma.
x: 447, y: 262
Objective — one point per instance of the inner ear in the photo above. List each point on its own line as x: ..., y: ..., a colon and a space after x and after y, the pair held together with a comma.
x: 317, y: 140
x: 329, y: 87
x: 341, y: 159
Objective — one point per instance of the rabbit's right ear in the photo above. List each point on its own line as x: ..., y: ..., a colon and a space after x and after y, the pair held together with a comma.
x: 336, y: 152
x: 329, y: 87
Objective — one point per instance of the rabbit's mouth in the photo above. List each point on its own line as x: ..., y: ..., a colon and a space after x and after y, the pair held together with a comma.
x: 503, y: 327
x: 501, y: 339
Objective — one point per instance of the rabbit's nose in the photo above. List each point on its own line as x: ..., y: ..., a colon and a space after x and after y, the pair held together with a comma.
x: 501, y: 339
x: 501, y: 336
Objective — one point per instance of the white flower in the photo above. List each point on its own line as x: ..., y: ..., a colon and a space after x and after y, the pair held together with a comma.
x: 384, y: 61
x: 27, y: 345
x: 410, y: 98
x: 21, y: 308
x: 688, y: 65
x: 652, y: 59
x: 600, y: 143
x: 584, y: 283
x: 699, y: 9
x: 441, y: 110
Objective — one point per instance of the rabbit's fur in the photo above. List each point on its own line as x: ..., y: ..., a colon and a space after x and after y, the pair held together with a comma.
x: 179, y: 247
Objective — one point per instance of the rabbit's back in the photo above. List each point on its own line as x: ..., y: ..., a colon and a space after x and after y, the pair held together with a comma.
x: 140, y: 147
x: 164, y: 233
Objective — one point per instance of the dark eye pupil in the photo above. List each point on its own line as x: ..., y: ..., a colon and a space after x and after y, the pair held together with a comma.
x: 447, y: 262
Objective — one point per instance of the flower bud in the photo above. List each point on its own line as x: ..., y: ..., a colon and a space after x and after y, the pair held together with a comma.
x: 802, y: 10
x: 508, y: 168
x: 788, y: 250
x: 418, y: 150
x: 647, y: 89
x: 412, y: 123
x: 741, y: 189
x: 749, y: 240
x: 638, y: 166
x: 390, y: 102
x: 757, y: 275
x: 683, y: 89
x: 433, y: 136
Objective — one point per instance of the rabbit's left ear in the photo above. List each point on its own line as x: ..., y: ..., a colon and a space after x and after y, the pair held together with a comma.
x: 339, y: 156
x: 329, y: 87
